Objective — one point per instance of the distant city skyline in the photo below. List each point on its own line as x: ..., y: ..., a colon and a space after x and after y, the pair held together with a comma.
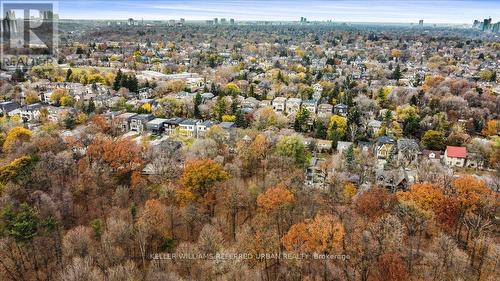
x: 388, y: 11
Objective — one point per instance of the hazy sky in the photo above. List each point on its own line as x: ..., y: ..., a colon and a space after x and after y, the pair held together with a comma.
x: 431, y: 11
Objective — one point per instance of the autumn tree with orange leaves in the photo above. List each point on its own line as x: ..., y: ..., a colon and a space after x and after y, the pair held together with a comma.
x: 122, y: 156
x: 322, y: 235
x: 426, y: 196
x: 276, y: 202
x: 198, y: 180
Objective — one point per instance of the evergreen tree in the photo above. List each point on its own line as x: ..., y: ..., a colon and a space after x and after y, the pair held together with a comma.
x: 241, y: 121
x: 18, y: 76
x: 349, y: 157
x: 68, y: 74
x: 320, y: 130
x: 118, y: 80
x: 91, y: 107
x: 397, y: 73
x: 213, y: 89
x: 251, y: 91
x: 220, y: 108
x: 197, y: 103
x: 300, y: 124
x: 133, y: 84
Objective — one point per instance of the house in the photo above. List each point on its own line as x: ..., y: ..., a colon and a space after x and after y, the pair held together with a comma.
x: 325, y: 110
x: 318, y: 88
x: 188, y: 127
x: 323, y: 145
x: 374, y: 126
x: 340, y: 109
x: 250, y: 103
x: 343, y: 146
x: 138, y: 122
x: 265, y: 103
x: 432, y: 155
x: 145, y: 93
x: 203, y: 127
x: 124, y: 120
x: 56, y: 114
x: 475, y: 161
x: 172, y: 124
x: 315, y: 176
x: 311, y: 106
x: 455, y: 156
x: 365, y: 147
x: 156, y: 126
x: 394, y: 180
x: 30, y: 112
x: 111, y: 115
x: 279, y: 104
x: 293, y: 105
x: 206, y: 97
x: 384, y: 146
x: 408, y: 151
x: 195, y: 83
x: 7, y: 107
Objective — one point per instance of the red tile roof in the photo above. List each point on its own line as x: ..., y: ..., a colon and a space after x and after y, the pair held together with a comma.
x: 456, y: 151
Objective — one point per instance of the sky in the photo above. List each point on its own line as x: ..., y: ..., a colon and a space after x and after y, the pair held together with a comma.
x: 394, y: 11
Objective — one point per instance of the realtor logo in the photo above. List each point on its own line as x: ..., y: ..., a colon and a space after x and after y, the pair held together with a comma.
x: 28, y: 28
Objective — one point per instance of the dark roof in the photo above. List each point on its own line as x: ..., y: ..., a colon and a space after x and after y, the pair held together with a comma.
x: 226, y: 125
x: 385, y: 140
x: 174, y: 121
x: 144, y: 117
x: 8, y: 106
x: 190, y: 122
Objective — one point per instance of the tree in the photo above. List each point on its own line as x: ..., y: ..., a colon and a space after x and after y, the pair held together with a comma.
x: 57, y: 95
x: 321, y: 235
x: 320, y: 130
x: 145, y: 109
x: 232, y: 89
x: 492, y: 128
x: 276, y: 203
x: 199, y: 177
x: 470, y: 192
x: 391, y: 267
x: 67, y: 100
x: 426, y: 196
x: 23, y: 223
x: 118, y: 78
x: 220, y: 108
x: 197, y: 103
x: 31, y: 97
x: 18, y: 76
x: 68, y: 75
x: 396, y: 74
x: 434, y: 140
x: 251, y: 91
x: 294, y: 148
x: 16, y: 170
x: 301, y: 120
x: 122, y: 156
x: 337, y: 128
x: 374, y: 203
x: 350, y: 157
x: 15, y: 137
x: 275, y: 198
x: 395, y: 53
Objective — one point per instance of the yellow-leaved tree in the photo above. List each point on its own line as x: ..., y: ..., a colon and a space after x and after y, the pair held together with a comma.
x: 16, y: 136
